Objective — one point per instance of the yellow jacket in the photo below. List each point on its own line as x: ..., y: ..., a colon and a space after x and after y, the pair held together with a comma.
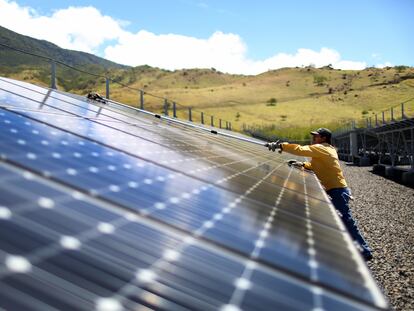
x: 324, y: 163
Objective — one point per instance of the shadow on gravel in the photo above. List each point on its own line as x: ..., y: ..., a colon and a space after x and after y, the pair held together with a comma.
x: 395, y: 175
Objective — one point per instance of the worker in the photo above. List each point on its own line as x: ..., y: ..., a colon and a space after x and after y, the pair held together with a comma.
x: 326, y: 166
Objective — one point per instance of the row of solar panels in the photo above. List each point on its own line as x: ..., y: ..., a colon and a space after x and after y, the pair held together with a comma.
x: 103, y: 209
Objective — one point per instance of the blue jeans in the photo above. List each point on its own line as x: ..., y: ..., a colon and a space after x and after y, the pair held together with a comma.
x: 340, y: 199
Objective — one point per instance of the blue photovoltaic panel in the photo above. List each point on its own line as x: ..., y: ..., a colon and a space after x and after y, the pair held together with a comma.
x: 118, y: 210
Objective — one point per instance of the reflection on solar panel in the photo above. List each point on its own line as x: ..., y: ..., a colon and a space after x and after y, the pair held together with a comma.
x: 105, y: 209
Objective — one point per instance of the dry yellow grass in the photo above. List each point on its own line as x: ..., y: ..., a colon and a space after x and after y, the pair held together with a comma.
x: 301, y: 102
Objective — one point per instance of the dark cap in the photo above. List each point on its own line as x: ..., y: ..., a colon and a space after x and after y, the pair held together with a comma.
x: 323, y: 132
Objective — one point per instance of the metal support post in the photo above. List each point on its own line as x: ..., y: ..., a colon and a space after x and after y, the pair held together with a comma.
x: 212, y: 121
x: 412, y: 149
x: 107, y: 87
x: 202, y: 117
x: 219, y: 123
x: 189, y: 115
x: 392, y: 114
x: 383, y: 118
x: 376, y: 120
x: 141, y: 96
x: 402, y: 111
x: 353, y: 145
x: 165, y: 107
x: 174, y: 110
x: 53, y: 75
x: 393, y: 150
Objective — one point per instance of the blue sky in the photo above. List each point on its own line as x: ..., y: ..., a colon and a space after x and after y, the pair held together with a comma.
x: 260, y: 34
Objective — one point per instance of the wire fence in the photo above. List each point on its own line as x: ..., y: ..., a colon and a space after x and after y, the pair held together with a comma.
x: 402, y: 111
x: 139, y: 98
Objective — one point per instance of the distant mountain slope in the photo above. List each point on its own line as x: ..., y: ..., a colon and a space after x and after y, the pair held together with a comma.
x: 11, y: 58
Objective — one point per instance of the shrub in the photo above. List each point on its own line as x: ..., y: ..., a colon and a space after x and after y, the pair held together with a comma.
x: 272, y: 100
x: 401, y: 68
x: 319, y: 80
x: 364, y: 112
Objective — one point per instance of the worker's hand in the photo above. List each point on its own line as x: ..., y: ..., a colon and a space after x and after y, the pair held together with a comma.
x: 295, y: 163
x: 274, y: 145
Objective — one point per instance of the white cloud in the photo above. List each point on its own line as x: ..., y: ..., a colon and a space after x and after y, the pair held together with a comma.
x: 87, y: 29
x: 386, y: 64
x: 77, y: 28
x: 225, y: 52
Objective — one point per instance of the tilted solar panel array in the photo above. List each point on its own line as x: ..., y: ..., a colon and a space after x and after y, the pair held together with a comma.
x: 106, y: 210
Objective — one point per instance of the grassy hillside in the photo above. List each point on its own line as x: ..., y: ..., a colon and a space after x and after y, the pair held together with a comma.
x: 285, y: 102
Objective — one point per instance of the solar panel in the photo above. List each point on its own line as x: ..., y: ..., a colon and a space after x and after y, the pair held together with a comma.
x: 112, y: 210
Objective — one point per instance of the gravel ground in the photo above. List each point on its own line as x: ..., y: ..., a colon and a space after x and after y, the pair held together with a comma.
x: 385, y: 214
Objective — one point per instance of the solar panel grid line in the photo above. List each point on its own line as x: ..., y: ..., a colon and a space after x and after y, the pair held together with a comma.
x: 190, y: 124
x: 217, y: 166
x: 27, y: 86
x: 311, y: 250
x: 160, y: 262
x: 313, y: 263
x: 368, y: 279
x: 120, y: 104
x: 128, y: 133
x: 18, y: 94
x: 160, y: 132
x: 20, y: 109
x: 88, y: 138
x: 78, y: 298
x: 243, y: 282
x: 26, y: 301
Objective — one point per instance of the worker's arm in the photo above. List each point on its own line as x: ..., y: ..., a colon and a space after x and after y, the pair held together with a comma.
x: 298, y: 164
x: 305, y: 151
